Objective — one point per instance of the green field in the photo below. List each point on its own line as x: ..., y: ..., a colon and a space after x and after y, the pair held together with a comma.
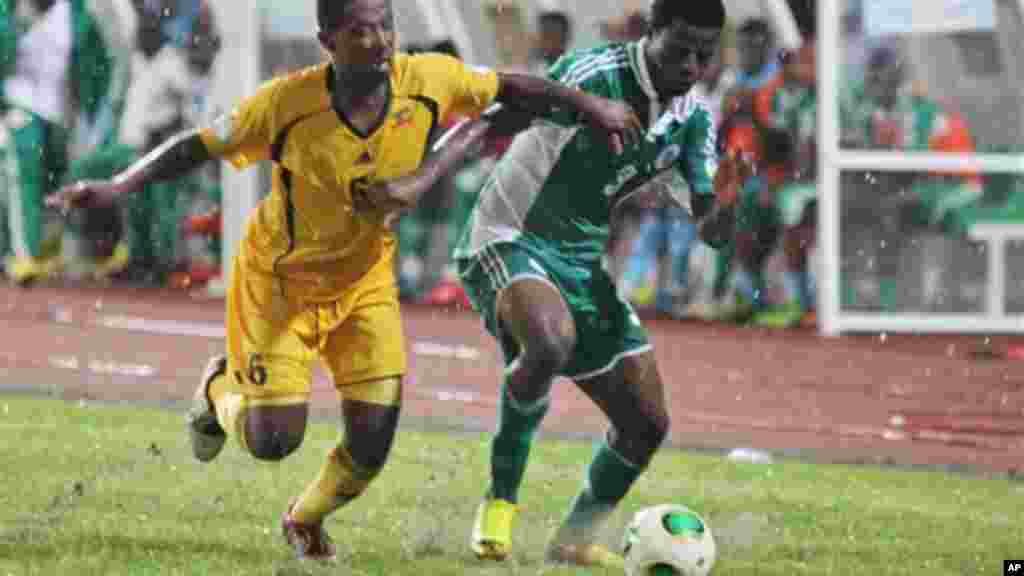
x: 98, y: 489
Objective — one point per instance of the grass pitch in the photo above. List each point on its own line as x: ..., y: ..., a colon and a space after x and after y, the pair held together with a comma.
x: 98, y: 489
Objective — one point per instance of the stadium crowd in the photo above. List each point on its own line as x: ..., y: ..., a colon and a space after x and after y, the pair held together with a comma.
x: 86, y: 90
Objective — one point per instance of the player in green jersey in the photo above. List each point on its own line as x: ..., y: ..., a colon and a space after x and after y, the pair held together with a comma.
x: 531, y: 259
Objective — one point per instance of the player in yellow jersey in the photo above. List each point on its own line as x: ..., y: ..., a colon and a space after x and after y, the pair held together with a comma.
x: 314, y: 274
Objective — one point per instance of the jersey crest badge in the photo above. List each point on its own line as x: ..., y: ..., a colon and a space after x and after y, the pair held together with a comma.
x: 403, y: 117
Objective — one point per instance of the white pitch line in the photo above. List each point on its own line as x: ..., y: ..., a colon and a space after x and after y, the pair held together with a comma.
x: 164, y: 327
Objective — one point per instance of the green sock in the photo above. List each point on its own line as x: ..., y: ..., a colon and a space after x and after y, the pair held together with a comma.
x: 609, y: 478
x: 510, y: 448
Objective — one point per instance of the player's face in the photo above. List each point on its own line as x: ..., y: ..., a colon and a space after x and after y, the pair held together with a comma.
x: 883, y: 83
x: 752, y: 48
x: 803, y: 68
x: 681, y: 55
x: 364, y: 42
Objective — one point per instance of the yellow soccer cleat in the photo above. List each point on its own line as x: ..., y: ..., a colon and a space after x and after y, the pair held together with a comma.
x: 113, y: 264
x: 25, y: 271
x: 585, y: 555
x: 492, y: 529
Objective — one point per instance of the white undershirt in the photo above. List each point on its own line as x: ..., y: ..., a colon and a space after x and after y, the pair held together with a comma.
x: 161, y: 89
x: 40, y: 79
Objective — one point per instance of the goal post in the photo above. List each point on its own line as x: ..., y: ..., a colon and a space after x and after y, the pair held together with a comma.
x: 237, y: 74
x: 988, y: 237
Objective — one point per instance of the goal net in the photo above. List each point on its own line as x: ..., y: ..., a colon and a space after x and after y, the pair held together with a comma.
x: 921, y: 166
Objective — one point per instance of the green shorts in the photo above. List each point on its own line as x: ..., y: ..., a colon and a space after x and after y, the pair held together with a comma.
x: 607, y: 328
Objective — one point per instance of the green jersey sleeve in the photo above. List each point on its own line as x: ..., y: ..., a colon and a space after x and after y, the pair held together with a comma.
x: 595, y: 71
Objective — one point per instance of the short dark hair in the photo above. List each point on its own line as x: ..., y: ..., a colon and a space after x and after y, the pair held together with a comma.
x: 445, y: 46
x: 558, y: 18
x: 885, y: 57
x: 329, y: 13
x: 701, y: 14
x: 755, y: 27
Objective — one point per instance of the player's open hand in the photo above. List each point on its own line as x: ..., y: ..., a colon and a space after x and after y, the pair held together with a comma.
x: 618, y: 120
x: 83, y: 194
x: 733, y: 172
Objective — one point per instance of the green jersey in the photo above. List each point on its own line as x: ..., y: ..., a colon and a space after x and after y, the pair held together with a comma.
x: 795, y: 110
x: 99, y: 71
x: 559, y: 181
x: 913, y: 123
x: 8, y: 41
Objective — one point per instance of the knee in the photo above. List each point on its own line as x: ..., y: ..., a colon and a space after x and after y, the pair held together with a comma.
x: 369, y: 435
x: 641, y: 437
x: 654, y: 427
x: 370, y: 454
x: 550, y: 344
x: 273, y: 446
x: 271, y: 434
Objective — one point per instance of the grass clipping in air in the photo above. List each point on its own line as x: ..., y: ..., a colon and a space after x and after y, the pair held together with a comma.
x: 96, y: 489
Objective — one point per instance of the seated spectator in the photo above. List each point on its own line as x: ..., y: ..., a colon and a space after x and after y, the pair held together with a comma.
x: 554, y: 35
x: 886, y: 112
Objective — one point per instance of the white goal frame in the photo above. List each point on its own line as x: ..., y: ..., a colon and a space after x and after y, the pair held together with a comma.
x: 832, y: 161
x: 238, y: 73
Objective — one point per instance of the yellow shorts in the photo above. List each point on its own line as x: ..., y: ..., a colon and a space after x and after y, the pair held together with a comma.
x: 273, y: 340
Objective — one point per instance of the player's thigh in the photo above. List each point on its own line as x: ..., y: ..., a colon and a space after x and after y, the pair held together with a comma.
x: 365, y: 346
x: 607, y: 327
x: 268, y: 364
x: 516, y: 291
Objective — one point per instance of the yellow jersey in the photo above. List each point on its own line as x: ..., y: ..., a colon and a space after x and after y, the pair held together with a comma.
x: 306, y: 231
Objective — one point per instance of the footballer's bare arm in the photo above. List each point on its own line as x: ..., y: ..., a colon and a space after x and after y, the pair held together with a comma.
x: 175, y: 157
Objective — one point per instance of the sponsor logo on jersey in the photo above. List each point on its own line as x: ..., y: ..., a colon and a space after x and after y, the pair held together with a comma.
x: 625, y: 174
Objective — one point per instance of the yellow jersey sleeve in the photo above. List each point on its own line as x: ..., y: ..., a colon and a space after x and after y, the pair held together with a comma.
x: 244, y: 136
x: 470, y: 89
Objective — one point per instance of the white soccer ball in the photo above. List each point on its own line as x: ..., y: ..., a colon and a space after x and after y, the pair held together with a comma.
x: 668, y: 540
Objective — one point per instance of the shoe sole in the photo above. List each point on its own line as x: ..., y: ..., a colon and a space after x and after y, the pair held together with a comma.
x: 485, y: 550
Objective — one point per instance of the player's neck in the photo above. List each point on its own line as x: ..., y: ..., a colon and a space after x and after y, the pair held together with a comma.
x: 358, y: 93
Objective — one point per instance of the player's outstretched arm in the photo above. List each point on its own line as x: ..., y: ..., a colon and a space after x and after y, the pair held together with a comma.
x: 178, y: 155
x: 404, y: 193
x: 540, y: 96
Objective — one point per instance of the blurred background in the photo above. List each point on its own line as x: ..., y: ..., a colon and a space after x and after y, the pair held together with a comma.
x: 90, y: 85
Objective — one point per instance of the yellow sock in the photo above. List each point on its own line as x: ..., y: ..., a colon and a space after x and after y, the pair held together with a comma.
x: 339, y: 481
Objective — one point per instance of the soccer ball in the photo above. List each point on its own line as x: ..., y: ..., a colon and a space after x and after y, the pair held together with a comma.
x: 668, y: 540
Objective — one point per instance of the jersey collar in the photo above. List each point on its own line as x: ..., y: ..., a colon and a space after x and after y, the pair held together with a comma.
x: 343, y: 117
